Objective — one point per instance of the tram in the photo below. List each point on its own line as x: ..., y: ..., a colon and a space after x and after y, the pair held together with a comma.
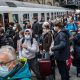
x: 17, y: 11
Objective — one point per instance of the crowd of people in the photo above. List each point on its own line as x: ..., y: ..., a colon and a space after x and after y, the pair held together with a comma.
x: 22, y: 46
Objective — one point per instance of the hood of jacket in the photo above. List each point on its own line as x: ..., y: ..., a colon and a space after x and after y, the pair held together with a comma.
x: 65, y: 31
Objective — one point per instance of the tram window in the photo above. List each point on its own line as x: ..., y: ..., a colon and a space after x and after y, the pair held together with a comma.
x: 42, y: 17
x: 15, y: 18
x: 61, y: 13
x: 25, y: 18
x: 35, y: 15
x: 52, y: 16
x: 48, y: 16
x: 57, y: 13
x: 1, y: 20
x: 6, y: 20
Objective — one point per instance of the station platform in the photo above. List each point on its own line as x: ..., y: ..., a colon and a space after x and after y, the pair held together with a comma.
x: 72, y: 74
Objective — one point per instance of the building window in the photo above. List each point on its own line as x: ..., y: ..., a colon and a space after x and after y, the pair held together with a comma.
x: 42, y: 17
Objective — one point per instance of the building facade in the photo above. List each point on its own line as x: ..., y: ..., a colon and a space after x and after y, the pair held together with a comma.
x: 74, y: 2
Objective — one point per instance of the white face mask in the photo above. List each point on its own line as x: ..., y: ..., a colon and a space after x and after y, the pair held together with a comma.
x: 4, y: 71
x: 14, y: 28
x: 55, y: 28
x: 27, y: 37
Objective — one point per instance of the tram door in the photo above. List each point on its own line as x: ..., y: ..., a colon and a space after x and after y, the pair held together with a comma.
x: 1, y: 20
x: 6, y: 20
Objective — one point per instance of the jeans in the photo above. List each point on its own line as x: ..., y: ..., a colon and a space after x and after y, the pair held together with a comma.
x: 63, y: 70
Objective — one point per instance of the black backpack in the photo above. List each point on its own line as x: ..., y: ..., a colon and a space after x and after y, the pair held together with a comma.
x: 6, y: 40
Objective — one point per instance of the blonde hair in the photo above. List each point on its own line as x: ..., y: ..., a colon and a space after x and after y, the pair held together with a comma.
x: 10, y: 51
x: 46, y: 25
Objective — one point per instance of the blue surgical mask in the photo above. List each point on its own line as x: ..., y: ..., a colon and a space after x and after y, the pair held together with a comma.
x: 27, y: 37
x: 4, y: 71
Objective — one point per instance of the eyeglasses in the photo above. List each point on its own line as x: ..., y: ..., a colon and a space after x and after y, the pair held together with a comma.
x: 5, y: 63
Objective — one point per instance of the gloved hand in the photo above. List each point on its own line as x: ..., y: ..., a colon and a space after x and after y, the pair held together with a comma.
x: 23, y: 60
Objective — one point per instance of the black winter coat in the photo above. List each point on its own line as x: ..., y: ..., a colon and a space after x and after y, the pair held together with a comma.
x: 36, y: 28
x: 61, y: 45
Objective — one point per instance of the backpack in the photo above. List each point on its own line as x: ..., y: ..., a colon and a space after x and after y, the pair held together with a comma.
x: 73, y: 26
x: 7, y: 41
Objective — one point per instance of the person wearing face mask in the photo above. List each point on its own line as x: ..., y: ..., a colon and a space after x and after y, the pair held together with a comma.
x: 20, y: 37
x: 47, y: 39
x: 29, y: 47
x: 61, y: 49
x: 10, y: 67
x: 36, y: 27
x: 10, y: 31
x: 71, y: 26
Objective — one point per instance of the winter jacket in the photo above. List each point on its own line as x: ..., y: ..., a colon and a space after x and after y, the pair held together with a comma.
x: 61, y: 45
x: 71, y: 26
x: 20, y: 72
x: 31, y: 49
x: 76, y: 44
x: 6, y: 40
x: 47, y: 40
x: 36, y: 28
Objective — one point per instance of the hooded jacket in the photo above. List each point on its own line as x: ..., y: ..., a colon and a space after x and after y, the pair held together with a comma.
x: 71, y: 27
x: 20, y: 72
x: 31, y: 48
x: 61, y: 45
